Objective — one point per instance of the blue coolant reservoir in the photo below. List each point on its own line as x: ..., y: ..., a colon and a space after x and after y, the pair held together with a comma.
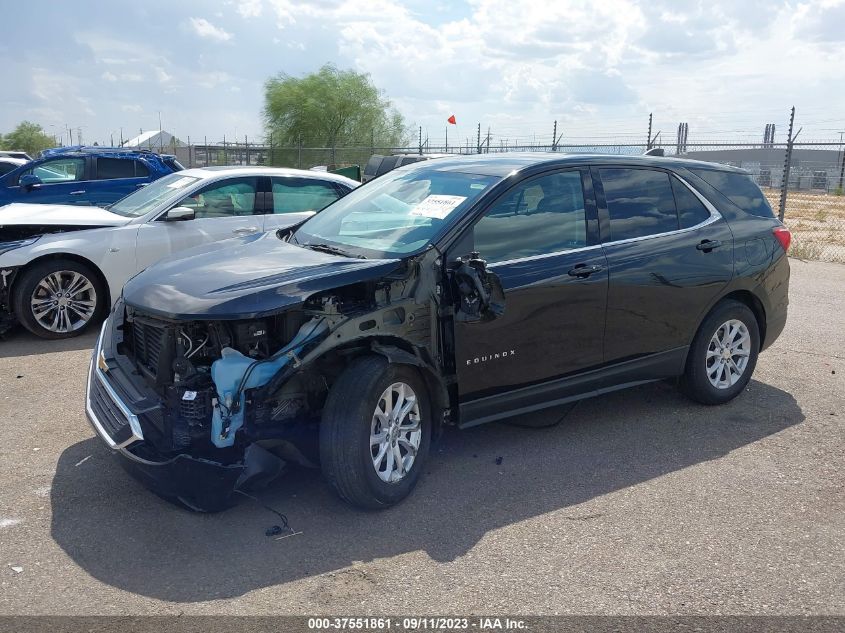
x: 228, y: 371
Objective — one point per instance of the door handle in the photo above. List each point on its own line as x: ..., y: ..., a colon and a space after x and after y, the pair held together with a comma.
x: 582, y: 270
x: 247, y: 230
x: 708, y: 245
x: 76, y: 193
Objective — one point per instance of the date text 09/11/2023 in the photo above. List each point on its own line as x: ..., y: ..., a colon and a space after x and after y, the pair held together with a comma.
x: 415, y: 623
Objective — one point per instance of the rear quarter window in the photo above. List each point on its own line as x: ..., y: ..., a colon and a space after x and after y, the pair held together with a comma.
x: 739, y: 189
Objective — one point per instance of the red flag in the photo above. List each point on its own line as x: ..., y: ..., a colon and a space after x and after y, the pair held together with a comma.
x: 452, y: 120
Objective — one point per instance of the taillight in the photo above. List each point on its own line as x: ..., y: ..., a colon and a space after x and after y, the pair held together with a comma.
x: 783, y: 236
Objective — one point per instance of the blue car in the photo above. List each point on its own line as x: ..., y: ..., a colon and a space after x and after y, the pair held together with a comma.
x: 84, y: 175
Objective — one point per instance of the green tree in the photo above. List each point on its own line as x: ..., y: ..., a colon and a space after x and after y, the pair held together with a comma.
x: 28, y: 137
x: 330, y: 108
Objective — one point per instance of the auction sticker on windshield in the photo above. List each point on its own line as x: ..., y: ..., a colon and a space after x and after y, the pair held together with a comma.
x: 437, y: 206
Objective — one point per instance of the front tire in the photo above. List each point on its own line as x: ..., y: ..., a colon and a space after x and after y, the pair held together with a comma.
x: 723, y: 354
x: 375, y: 432
x: 58, y: 298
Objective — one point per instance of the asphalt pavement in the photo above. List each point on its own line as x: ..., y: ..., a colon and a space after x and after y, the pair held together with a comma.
x: 639, y: 502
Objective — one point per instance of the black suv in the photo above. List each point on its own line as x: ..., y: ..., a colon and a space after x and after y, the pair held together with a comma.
x: 457, y: 291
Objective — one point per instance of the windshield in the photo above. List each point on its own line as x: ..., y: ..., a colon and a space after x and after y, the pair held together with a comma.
x: 397, y: 214
x: 147, y: 198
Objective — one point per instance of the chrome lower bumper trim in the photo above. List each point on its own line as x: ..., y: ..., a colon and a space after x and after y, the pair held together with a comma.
x: 95, y: 373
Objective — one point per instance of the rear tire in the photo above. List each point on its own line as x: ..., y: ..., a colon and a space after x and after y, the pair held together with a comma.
x: 723, y: 354
x: 58, y: 298
x: 371, y: 454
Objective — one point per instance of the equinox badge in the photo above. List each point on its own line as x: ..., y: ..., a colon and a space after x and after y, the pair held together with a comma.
x: 495, y: 356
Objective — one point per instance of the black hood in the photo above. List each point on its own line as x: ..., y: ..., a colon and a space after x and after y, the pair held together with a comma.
x: 243, y: 279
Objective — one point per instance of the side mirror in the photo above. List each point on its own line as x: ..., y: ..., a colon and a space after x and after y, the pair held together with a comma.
x: 180, y: 214
x: 30, y: 181
x: 480, y: 291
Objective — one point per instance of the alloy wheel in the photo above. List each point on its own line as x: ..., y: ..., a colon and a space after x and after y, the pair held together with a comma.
x: 728, y: 354
x: 395, y: 432
x: 63, y: 301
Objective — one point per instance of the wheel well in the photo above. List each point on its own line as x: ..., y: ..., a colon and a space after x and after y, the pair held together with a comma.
x: 339, y: 357
x: 75, y: 258
x: 755, y: 305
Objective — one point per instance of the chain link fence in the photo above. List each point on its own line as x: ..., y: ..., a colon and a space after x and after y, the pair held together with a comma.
x: 803, y: 181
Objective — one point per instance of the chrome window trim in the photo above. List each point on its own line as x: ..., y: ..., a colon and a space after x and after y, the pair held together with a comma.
x: 715, y: 216
x: 529, y: 258
x: 97, y: 374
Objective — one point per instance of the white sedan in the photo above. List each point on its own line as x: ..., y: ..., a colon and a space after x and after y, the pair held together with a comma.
x: 62, y: 266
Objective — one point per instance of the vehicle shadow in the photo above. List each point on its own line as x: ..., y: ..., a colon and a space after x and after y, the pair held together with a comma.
x: 19, y: 342
x: 126, y: 537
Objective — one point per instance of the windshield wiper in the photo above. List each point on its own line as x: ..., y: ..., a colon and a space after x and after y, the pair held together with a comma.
x: 334, y: 250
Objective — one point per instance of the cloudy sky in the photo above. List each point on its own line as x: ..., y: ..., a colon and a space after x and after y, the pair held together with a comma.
x: 726, y: 67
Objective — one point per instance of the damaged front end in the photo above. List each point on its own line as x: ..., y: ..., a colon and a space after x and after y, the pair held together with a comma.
x: 199, y: 409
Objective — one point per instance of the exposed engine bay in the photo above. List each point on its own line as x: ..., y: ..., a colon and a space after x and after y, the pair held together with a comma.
x: 226, y: 385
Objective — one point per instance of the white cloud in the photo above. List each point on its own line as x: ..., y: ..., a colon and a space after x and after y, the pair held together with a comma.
x: 162, y: 76
x: 592, y: 65
x: 110, y: 76
x: 206, y: 29
x: 249, y: 8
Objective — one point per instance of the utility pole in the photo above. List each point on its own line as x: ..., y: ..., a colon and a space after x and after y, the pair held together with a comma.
x: 478, y: 142
x: 246, y: 145
x: 488, y: 139
x: 421, y: 140
x: 554, y: 137
x: 784, y: 187
x: 648, y: 139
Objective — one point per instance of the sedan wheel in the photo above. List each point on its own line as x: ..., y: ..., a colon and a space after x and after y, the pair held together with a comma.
x: 58, y: 298
x: 63, y: 302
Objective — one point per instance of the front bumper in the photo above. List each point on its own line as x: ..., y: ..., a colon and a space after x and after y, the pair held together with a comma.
x: 198, y: 483
x: 7, y: 316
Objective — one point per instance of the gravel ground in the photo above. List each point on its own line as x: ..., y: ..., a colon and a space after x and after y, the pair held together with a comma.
x: 638, y: 503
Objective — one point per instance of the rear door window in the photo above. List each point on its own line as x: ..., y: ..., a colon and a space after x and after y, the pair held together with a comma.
x: 640, y: 202
x: 112, y: 168
x: 739, y: 189
x: 296, y: 195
